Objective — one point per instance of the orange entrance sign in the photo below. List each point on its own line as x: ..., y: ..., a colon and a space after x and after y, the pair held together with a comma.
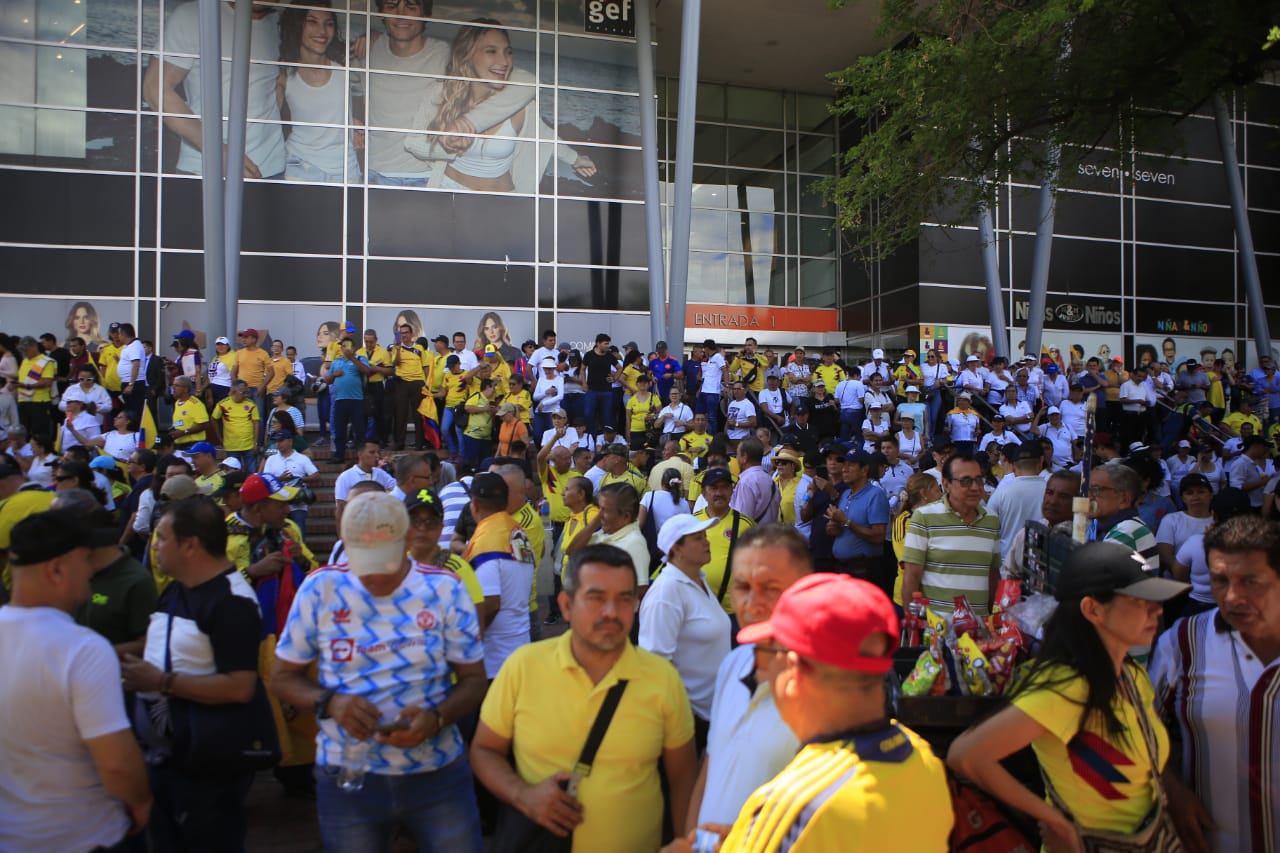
x: 763, y: 318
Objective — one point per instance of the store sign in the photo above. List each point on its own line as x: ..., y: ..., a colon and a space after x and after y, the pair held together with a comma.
x: 744, y: 319
x: 1183, y: 319
x: 1068, y: 312
x: 611, y: 17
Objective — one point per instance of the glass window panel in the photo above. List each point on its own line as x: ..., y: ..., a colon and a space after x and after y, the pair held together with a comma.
x: 710, y: 195
x: 112, y: 81
x: 817, y: 283
x: 709, y: 230
x: 811, y: 199
x: 816, y: 154
x: 755, y: 149
x: 707, y: 277
x: 817, y: 236
x: 758, y: 287
x: 710, y: 100
x: 764, y: 190
x: 600, y: 233
x: 603, y: 289
x: 761, y: 107
x: 812, y: 112
x: 27, y: 132
x: 708, y: 143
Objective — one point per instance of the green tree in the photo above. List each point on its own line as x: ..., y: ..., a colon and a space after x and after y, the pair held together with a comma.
x: 981, y: 90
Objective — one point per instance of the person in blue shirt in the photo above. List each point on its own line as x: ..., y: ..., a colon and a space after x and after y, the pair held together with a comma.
x: 346, y: 381
x: 664, y: 369
x: 859, y: 521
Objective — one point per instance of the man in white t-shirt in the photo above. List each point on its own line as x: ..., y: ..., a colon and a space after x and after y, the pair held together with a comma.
x: 740, y: 419
x: 366, y: 468
x: 849, y: 394
x: 712, y: 373
x: 395, y: 96
x: 74, y: 777
x: 179, y: 66
x: 129, y: 370
x: 772, y: 401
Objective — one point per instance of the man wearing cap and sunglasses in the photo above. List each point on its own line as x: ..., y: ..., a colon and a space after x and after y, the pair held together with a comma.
x: 860, y: 779
x: 400, y: 661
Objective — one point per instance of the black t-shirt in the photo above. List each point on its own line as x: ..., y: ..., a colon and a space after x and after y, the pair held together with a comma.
x: 598, y: 367
x: 224, y: 609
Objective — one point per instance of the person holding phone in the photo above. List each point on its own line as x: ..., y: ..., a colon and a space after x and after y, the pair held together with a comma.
x: 393, y: 678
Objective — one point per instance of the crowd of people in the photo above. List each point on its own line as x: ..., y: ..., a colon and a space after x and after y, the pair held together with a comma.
x: 730, y: 539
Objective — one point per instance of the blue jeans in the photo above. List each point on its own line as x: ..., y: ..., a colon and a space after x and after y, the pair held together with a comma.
x: 599, y: 410
x: 438, y: 809
x: 476, y: 450
x: 850, y: 423
x: 376, y: 177
x: 541, y: 423
x: 710, y: 404
x: 248, y: 460
x: 324, y: 409
x: 449, y: 432
x: 574, y: 406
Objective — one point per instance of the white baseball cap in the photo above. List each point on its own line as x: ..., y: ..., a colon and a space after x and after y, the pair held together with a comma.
x: 911, y: 389
x: 374, y: 526
x: 972, y: 358
x: 679, y: 526
x: 1053, y: 410
x: 877, y: 353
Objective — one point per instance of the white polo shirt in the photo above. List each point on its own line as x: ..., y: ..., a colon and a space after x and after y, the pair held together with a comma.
x: 748, y: 743
x: 680, y: 620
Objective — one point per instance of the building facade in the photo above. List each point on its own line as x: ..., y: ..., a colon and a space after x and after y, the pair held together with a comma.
x: 362, y: 215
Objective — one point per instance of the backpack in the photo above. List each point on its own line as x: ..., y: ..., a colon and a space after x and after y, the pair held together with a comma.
x: 982, y: 824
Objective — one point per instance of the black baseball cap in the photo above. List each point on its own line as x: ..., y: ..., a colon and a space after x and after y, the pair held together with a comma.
x: 489, y: 486
x: 424, y: 498
x: 231, y: 482
x: 1194, y: 481
x: 1098, y: 568
x: 716, y: 475
x: 439, y: 339
x: 47, y: 535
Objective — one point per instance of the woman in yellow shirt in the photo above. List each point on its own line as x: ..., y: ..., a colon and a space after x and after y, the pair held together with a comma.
x: 633, y: 368
x: 1086, y: 710
x: 578, y: 494
x: 642, y: 408
x: 786, y: 473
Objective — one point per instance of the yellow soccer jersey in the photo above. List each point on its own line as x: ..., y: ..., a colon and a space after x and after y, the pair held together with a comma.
x: 239, y: 423
x: 721, y: 537
x: 859, y: 792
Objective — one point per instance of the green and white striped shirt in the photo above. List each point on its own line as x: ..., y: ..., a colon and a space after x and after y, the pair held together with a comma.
x: 958, y: 558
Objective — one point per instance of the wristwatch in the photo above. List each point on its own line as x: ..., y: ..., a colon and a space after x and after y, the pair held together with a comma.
x: 322, y: 704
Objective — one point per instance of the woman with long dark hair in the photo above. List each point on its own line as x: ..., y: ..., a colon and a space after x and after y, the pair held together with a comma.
x: 1086, y: 709
x: 316, y: 90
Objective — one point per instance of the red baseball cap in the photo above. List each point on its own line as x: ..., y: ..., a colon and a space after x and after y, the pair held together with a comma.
x: 826, y: 617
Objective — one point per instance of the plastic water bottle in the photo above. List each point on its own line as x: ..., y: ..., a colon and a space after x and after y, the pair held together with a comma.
x: 355, y: 762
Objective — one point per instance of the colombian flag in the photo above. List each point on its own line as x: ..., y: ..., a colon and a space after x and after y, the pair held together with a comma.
x: 430, y: 421
x: 147, y: 431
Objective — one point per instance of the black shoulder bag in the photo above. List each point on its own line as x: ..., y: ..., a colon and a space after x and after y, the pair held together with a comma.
x: 516, y: 833
x: 728, y: 560
x: 221, y: 740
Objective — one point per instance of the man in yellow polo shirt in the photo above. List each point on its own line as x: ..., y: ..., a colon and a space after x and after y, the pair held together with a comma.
x: 411, y: 378
x: 861, y: 781
x: 545, y: 699
x: 828, y: 371
x: 375, y: 384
